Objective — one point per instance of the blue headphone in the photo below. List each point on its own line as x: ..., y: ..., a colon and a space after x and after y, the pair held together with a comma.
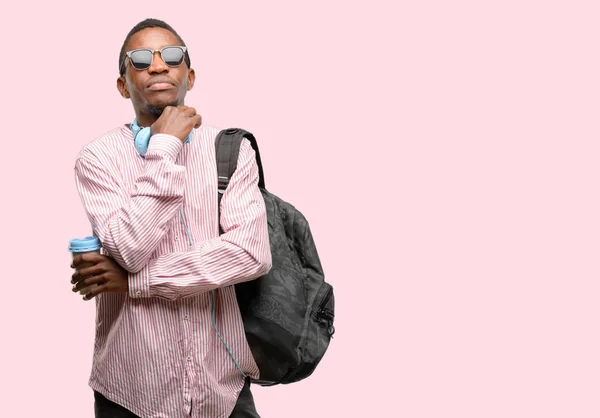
x: 141, y: 137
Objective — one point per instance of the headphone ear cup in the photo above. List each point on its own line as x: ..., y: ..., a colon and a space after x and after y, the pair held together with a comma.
x: 142, y: 139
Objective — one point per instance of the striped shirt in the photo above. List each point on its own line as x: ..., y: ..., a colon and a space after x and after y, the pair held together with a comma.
x: 157, y: 352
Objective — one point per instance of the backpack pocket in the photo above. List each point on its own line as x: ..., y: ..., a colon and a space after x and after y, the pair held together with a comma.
x: 323, y: 311
x: 319, y: 332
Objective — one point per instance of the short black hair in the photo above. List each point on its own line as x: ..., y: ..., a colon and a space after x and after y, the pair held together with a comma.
x: 144, y: 24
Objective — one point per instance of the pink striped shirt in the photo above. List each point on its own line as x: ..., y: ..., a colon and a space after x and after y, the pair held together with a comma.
x: 156, y: 351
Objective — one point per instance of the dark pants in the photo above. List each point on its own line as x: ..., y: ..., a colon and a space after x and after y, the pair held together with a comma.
x: 244, y: 408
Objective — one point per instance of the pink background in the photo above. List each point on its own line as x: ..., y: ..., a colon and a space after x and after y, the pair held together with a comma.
x: 445, y: 154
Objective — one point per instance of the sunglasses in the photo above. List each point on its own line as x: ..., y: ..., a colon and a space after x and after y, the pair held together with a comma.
x: 171, y: 55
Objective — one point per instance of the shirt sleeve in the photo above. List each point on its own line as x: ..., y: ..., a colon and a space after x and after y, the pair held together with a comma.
x: 131, y: 224
x: 240, y: 254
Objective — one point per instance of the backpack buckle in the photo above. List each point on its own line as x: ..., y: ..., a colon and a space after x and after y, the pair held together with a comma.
x: 223, y: 182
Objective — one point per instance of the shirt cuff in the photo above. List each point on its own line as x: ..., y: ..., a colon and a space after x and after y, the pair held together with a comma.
x: 139, y: 283
x: 166, y: 144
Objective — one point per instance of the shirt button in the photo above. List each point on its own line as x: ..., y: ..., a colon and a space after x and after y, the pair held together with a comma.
x: 186, y: 317
x: 176, y: 238
x: 189, y: 358
x: 138, y: 292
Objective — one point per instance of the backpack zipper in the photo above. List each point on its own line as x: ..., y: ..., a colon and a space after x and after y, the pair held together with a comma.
x: 323, y: 313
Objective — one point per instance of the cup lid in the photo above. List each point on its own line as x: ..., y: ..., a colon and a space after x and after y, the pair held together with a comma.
x: 83, y: 245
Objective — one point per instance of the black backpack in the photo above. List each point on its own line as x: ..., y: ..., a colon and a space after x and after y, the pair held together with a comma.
x: 288, y: 313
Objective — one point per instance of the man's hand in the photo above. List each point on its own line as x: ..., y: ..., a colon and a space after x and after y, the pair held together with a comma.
x: 101, y: 270
x: 177, y: 121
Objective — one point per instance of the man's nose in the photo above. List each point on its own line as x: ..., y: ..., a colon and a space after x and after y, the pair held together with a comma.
x: 158, y: 65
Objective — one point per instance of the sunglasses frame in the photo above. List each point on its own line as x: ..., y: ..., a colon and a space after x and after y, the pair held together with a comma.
x: 153, y: 51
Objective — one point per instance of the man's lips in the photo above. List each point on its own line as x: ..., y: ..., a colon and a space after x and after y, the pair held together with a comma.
x: 161, y: 86
x: 160, y: 83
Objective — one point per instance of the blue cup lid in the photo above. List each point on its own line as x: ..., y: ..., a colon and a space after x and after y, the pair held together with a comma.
x: 84, y: 245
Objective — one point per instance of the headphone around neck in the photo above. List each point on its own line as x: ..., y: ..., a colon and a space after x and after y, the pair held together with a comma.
x: 141, y: 137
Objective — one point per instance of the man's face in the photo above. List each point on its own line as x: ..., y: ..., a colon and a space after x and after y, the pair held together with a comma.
x: 158, y: 86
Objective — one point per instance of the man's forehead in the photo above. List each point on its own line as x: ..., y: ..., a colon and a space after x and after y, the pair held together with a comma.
x: 153, y: 38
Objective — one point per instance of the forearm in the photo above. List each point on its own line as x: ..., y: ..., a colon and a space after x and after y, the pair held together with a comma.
x: 241, y: 253
x: 131, y: 225
x: 215, y: 263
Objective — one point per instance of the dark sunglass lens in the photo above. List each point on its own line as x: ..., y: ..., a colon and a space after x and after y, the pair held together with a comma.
x: 172, y: 56
x: 141, y: 59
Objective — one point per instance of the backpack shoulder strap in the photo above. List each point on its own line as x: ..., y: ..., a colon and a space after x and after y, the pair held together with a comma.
x: 227, y: 147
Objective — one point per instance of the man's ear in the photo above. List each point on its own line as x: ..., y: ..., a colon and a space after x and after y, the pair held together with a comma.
x: 191, y: 78
x: 122, y: 87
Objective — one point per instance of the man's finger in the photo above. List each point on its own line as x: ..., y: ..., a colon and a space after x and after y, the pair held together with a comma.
x: 86, y: 272
x: 95, y: 292
x: 87, y: 258
x: 88, y: 282
x: 190, y: 111
x: 197, y: 119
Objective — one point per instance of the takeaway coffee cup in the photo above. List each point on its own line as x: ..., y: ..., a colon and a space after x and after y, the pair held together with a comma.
x: 82, y: 246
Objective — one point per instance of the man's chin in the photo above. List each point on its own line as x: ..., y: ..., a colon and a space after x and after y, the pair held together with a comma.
x: 157, y: 109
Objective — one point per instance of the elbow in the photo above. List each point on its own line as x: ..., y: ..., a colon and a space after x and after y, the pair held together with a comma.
x: 131, y: 264
x: 128, y: 254
x: 263, y: 269
x: 133, y: 268
x: 130, y: 248
x: 260, y: 265
x: 266, y: 261
x: 260, y: 268
x: 264, y: 264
